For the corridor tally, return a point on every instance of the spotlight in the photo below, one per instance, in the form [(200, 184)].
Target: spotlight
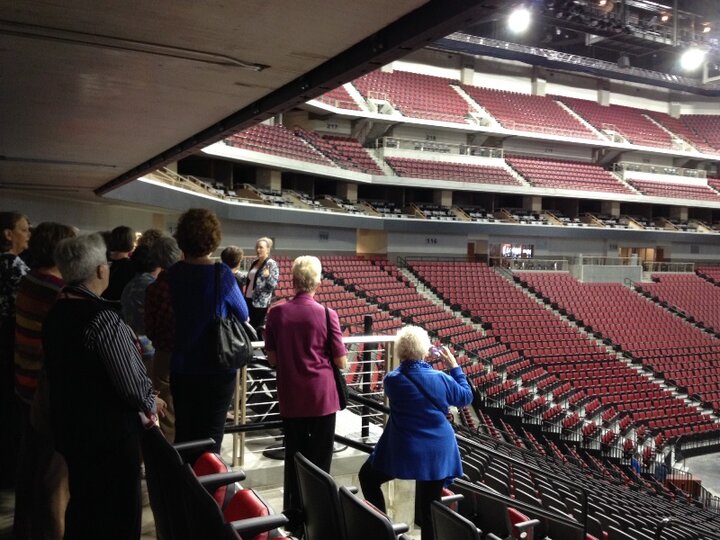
[(519, 20), (706, 28), (665, 17), (692, 59)]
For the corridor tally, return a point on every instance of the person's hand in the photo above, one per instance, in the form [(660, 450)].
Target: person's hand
[(266, 273), (161, 406), (447, 357)]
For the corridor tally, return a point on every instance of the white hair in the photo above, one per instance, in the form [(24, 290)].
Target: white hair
[(412, 343), (306, 272), (78, 258)]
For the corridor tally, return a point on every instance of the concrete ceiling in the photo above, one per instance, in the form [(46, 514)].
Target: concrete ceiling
[(94, 93)]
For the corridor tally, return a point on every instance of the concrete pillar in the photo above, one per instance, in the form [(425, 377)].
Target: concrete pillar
[(268, 179), (679, 212), (532, 203), (674, 109), (443, 198), (539, 83), (467, 74), (348, 191), (611, 208), (603, 93)]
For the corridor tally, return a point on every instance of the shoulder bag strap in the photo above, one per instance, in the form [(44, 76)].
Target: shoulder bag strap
[(424, 393)]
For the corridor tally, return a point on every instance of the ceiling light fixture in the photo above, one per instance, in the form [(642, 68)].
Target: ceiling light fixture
[(519, 20), (692, 59)]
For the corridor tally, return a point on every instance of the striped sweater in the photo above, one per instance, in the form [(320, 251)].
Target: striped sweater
[(36, 295)]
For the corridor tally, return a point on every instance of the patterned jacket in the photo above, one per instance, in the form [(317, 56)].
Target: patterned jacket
[(264, 286)]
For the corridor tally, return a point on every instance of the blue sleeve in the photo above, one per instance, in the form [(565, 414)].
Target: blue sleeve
[(233, 298), (459, 392)]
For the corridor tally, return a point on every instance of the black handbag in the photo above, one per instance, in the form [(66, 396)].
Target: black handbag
[(340, 382), (229, 339)]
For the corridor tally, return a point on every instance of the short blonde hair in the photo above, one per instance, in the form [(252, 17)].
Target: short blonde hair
[(412, 343), (268, 242), (306, 272)]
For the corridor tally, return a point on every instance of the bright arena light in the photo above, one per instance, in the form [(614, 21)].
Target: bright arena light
[(692, 59), (519, 20)]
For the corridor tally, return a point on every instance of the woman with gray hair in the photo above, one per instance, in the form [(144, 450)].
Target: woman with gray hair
[(99, 393), (160, 327), (418, 442), (302, 339)]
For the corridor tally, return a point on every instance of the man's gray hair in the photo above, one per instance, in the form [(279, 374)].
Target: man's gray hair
[(165, 252), (78, 258), (306, 272)]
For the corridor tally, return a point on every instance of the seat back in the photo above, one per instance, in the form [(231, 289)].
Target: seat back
[(204, 519), (211, 463), (449, 525), (515, 518), (163, 469), (246, 503), (361, 520), (319, 500)]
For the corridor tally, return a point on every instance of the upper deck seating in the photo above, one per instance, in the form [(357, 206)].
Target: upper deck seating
[(681, 128), (345, 152), (675, 191), (524, 112), (445, 170), (278, 141), (415, 95), (627, 121), (340, 98), (706, 126), (562, 174)]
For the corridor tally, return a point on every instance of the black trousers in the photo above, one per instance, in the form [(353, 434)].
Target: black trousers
[(426, 490), (257, 316), (313, 437), (201, 406), (105, 497)]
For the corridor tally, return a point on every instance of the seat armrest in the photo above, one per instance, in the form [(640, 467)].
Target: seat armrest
[(213, 481), (399, 528), (523, 526), (194, 445), (491, 536), (251, 527), (447, 500), (353, 489)]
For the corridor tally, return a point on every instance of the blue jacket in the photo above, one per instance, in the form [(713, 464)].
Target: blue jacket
[(418, 442), (192, 292)]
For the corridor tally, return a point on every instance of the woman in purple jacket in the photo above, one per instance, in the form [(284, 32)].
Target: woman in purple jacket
[(296, 340)]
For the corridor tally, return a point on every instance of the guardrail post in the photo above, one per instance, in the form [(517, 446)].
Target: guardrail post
[(366, 378)]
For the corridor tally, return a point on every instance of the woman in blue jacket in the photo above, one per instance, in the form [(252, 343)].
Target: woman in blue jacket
[(418, 442)]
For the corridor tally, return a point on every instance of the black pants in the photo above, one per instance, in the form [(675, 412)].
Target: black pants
[(9, 416), (201, 406), (427, 491), (313, 437), (105, 497), (257, 316)]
